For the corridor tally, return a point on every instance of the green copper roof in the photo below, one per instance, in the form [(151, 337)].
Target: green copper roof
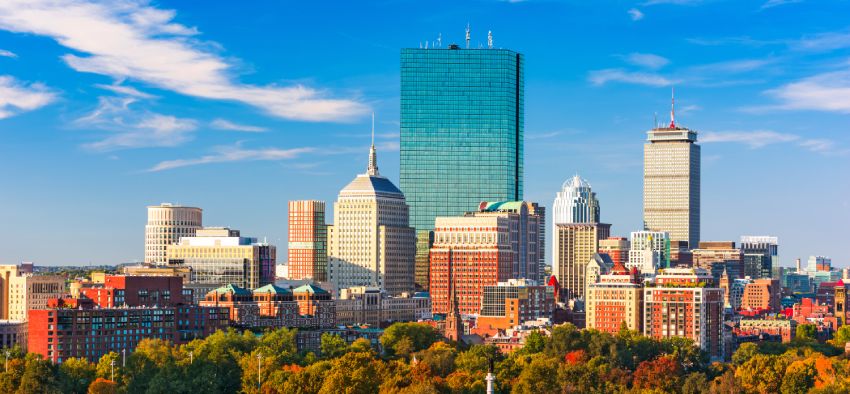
[(231, 288), (494, 206), (310, 288), (270, 288)]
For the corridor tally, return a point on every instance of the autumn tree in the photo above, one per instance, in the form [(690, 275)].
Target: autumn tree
[(761, 374), (419, 335), (540, 376), (661, 373), (332, 346), (353, 373), (76, 375)]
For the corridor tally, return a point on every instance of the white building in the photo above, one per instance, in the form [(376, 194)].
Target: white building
[(371, 242), (575, 203), (28, 291), (167, 223)]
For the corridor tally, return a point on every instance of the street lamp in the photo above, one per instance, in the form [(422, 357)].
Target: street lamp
[(7, 361), (123, 358), (112, 364), (259, 370), (191, 358)]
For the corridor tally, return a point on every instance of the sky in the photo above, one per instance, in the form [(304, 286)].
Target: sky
[(107, 107)]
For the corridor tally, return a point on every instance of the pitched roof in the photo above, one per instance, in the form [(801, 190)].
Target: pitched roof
[(310, 288), (231, 288), (270, 288)]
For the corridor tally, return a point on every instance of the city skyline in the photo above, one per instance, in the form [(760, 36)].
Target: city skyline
[(93, 134)]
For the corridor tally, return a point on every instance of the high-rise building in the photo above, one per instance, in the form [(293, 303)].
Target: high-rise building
[(469, 252), (423, 260), (574, 246), (649, 251), (615, 247), (461, 130), (308, 241), (575, 203), (682, 303), (717, 256), (371, 242), (762, 295), (818, 263), (671, 182), (167, 223), (219, 256), (615, 299), (526, 225), (761, 254)]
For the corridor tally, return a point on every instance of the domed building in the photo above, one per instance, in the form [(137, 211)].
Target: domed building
[(371, 242), (575, 203)]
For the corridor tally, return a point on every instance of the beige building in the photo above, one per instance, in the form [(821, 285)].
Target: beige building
[(371, 242), (615, 299), (719, 255), (671, 183), (574, 246), (167, 223), (13, 332), (370, 305), (32, 292)]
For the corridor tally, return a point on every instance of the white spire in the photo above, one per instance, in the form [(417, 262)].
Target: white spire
[(372, 170)]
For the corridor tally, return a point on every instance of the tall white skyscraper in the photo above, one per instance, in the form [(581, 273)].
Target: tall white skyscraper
[(650, 250), (371, 242), (575, 203), (671, 182), (166, 224)]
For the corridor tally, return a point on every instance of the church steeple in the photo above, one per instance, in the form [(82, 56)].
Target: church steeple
[(372, 170), (454, 322)]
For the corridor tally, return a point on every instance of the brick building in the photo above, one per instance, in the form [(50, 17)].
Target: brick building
[(273, 306), (370, 305), (308, 241), (512, 303), (615, 299), (762, 295)]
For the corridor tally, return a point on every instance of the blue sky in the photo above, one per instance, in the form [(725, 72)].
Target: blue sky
[(108, 107)]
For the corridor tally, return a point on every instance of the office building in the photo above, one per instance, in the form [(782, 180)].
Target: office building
[(219, 255), (615, 247), (682, 303), (272, 306), (762, 295), (13, 333), (134, 291), (462, 120), (512, 303), (469, 252), (575, 203), (761, 254), (308, 241), (526, 223), (371, 242), (650, 240), (818, 263), (167, 223), (671, 182), (574, 246), (719, 256), (615, 299), (29, 291), (372, 306)]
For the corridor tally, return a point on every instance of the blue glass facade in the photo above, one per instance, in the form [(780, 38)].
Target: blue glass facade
[(461, 130)]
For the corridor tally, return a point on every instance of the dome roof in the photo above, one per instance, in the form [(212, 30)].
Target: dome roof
[(365, 184), (576, 182)]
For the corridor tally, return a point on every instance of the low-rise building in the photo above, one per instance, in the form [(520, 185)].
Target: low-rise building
[(371, 305), (786, 329), (273, 306), (616, 299), (762, 296), (513, 303), (13, 332)]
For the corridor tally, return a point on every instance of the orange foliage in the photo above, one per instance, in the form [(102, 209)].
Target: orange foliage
[(575, 356)]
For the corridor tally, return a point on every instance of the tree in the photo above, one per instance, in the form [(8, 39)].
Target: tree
[(806, 331), (280, 342), (841, 337), (39, 377), (744, 353), (353, 373), (799, 377), (104, 367), (261, 361), (535, 342), (361, 345), (477, 359), (420, 335), (404, 347), (332, 346), (540, 376), (726, 383), (440, 359), (75, 375), (564, 338), (103, 386), (661, 373), (695, 383), (762, 374)]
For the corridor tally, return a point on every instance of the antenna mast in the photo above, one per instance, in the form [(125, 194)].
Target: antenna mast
[(672, 108), (490, 39), (467, 36)]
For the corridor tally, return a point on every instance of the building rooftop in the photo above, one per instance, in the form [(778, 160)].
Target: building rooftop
[(270, 288), (310, 288), (231, 288), (372, 185)]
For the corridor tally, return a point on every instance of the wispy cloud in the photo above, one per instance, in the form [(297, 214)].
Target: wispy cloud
[(647, 60), (542, 136), (733, 66), (824, 92), (776, 3), (601, 77), (635, 14), (753, 139), (676, 2), (17, 97), (5, 53), (135, 40), (132, 128), (822, 42), (228, 154), (223, 124), (125, 90)]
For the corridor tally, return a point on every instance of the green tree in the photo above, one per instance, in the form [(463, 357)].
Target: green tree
[(477, 359), (10, 379), (76, 375), (39, 377), (280, 342), (333, 346), (806, 331), (104, 367), (420, 335), (439, 358), (762, 374), (841, 337), (362, 345), (564, 339), (535, 342), (744, 353), (353, 373), (799, 377), (260, 361), (695, 383), (540, 376), (309, 380)]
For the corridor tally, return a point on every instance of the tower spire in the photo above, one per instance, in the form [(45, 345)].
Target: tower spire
[(672, 108), (372, 170)]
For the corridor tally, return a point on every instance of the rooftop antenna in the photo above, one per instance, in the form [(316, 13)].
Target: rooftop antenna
[(655, 121), (426, 44), (420, 44), (672, 108), (373, 129), (440, 40), (467, 35), (490, 39)]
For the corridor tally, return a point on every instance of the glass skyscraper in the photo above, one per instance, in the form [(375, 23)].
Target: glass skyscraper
[(461, 130)]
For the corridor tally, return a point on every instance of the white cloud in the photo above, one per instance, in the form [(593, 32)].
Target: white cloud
[(233, 154), (5, 53), (775, 3), (635, 14), (134, 128), (818, 145), (125, 90), (601, 77), (17, 97), (128, 39), (676, 2), (223, 124), (754, 139), (733, 66), (823, 92), (647, 60), (823, 42)]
